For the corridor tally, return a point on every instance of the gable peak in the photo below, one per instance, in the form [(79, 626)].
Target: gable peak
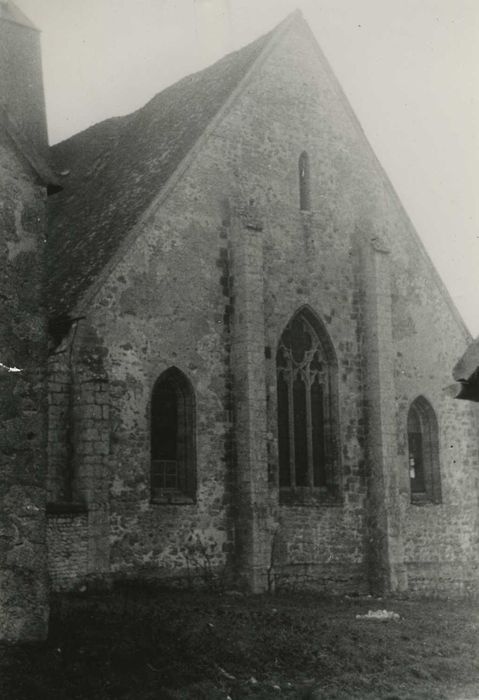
[(9, 12), (294, 17)]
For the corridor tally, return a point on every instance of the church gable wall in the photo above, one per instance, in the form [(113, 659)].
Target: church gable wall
[(171, 303), (309, 262), (168, 304), (427, 339), (312, 258)]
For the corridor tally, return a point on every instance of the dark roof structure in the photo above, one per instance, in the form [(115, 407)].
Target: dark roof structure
[(466, 373), (117, 168)]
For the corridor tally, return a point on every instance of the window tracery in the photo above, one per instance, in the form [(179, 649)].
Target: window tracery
[(306, 408)]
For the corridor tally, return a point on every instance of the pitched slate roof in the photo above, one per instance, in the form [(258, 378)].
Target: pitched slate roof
[(117, 168)]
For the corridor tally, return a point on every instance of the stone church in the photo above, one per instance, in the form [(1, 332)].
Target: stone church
[(224, 349)]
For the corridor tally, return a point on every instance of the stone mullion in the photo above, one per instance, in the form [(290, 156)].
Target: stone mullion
[(292, 449), (426, 456), (328, 436), (309, 427)]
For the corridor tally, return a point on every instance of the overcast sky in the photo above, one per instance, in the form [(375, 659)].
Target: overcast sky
[(410, 69)]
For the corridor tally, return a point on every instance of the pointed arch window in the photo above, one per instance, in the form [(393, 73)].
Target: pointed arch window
[(307, 410), (304, 182), (173, 467), (423, 452)]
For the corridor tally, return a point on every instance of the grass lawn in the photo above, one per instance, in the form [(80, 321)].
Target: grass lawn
[(148, 643)]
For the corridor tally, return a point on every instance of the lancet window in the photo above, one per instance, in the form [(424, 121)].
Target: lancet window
[(423, 452), (173, 469), (304, 182)]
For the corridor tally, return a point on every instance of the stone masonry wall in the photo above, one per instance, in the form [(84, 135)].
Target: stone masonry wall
[(23, 574), (308, 262), (165, 306), (60, 436), (440, 539), (79, 451), (21, 83), (150, 319), (253, 522), (355, 204), (67, 542), (171, 301)]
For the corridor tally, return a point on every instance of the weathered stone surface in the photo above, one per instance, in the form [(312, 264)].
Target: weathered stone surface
[(23, 337), (67, 542), (23, 572), (21, 81), (207, 282), (219, 263)]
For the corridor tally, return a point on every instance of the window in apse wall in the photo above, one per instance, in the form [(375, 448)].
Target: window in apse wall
[(173, 459)]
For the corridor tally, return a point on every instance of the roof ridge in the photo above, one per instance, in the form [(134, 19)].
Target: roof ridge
[(289, 18), (125, 120), (271, 37), (91, 127), (225, 80)]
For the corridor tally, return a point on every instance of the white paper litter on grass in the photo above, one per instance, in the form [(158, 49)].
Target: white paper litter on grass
[(381, 615)]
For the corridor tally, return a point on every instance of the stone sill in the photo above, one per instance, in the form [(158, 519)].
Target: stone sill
[(420, 499), (308, 497), (173, 499), (66, 508)]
